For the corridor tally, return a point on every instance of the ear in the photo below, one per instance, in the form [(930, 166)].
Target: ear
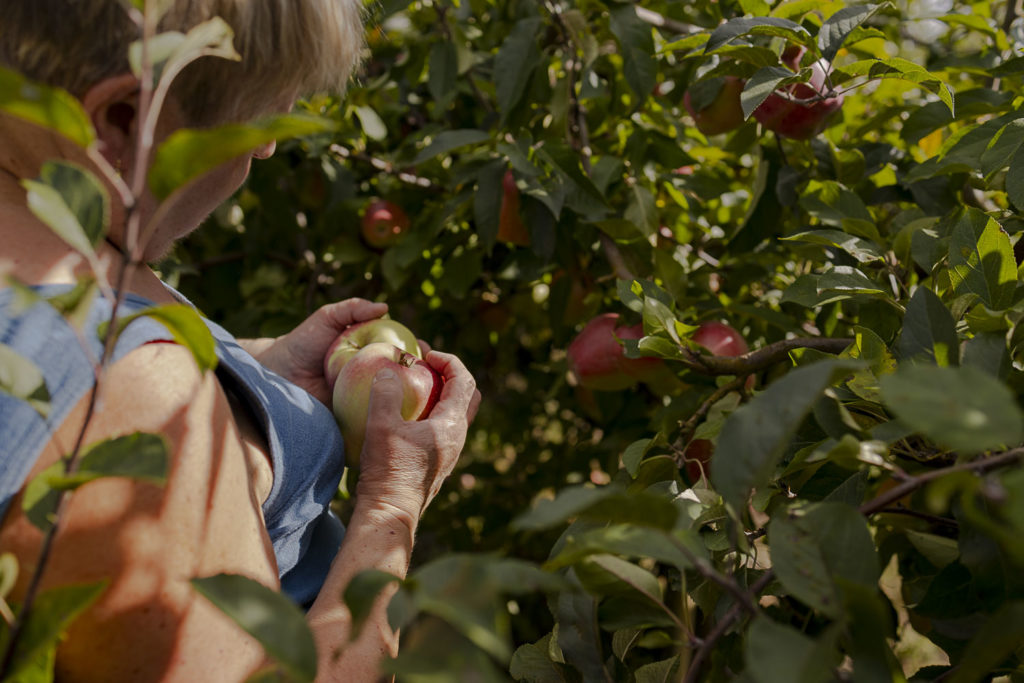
[(113, 106)]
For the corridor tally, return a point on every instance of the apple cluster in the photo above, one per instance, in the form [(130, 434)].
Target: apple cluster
[(798, 111), (598, 362), (354, 359)]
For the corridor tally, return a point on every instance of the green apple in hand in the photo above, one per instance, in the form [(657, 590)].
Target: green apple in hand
[(355, 337)]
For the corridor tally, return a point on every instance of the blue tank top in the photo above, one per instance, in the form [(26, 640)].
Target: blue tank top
[(305, 443)]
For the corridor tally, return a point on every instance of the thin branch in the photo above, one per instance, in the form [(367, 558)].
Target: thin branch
[(979, 466), (442, 15), (690, 426), (722, 627), (762, 358)]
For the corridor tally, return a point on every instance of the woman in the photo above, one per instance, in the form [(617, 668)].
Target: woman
[(254, 458)]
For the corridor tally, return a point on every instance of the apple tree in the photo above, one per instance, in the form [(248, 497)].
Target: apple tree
[(838, 497)]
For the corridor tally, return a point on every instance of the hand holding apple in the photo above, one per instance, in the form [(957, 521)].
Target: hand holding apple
[(421, 388), (404, 462)]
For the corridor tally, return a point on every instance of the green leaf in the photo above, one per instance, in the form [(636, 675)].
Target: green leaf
[(186, 327), (567, 160), (371, 123), (642, 210), (188, 154), (830, 541), (22, 379), (928, 330), (630, 541), (755, 437), (868, 346), (607, 503), (531, 662), (268, 616), (862, 250), (987, 351), (981, 260), (72, 202), (839, 26), (664, 671), (139, 456), (449, 140), (964, 409), (361, 593), (633, 454), (1003, 147), (833, 204), (8, 574), (800, 566), (610, 575), (514, 64), (636, 45), (444, 71), (762, 84), (487, 201), (52, 613), (772, 647), (50, 108), (169, 53), (998, 638), (847, 279), (1015, 180), (764, 26)]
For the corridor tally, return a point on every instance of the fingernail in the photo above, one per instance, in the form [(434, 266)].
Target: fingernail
[(384, 375)]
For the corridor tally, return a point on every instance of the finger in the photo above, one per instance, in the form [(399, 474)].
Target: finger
[(337, 316), (424, 348), (474, 406), (385, 404), (459, 386)]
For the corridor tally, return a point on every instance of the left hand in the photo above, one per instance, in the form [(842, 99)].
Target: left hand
[(299, 355)]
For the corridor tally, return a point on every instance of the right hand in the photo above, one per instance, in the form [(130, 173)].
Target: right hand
[(405, 462)]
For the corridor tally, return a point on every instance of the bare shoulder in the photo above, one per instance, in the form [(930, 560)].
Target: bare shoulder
[(148, 541)]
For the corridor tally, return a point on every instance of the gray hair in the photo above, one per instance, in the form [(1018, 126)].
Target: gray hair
[(287, 47)]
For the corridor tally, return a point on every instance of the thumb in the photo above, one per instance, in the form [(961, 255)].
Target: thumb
[(385, 397)]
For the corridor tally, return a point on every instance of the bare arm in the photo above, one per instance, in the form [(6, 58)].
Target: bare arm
[(403, 467)]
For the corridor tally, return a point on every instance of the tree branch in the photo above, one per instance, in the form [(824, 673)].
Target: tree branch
[(980, 466), (755, 361), (722, 627)]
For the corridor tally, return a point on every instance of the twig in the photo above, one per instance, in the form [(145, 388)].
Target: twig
[(386, 166), (442, 15), (979, 466), (762, 358), (722, 627), (934, 519), (690, 426)]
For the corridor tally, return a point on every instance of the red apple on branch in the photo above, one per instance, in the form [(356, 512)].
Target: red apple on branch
[(421, 389), (597, 360), (724, 112), (720, 339), (510, 222), (383, 223), (357, 336), (799, 111)]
